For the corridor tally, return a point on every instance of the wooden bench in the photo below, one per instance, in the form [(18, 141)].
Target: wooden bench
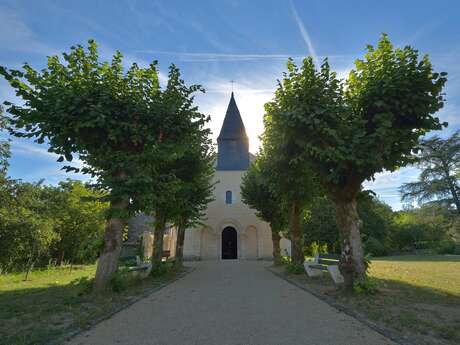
[(324, 263)]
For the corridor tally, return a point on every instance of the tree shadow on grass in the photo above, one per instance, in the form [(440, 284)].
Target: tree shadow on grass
[(420, 258), (45, 315), (39, 315), (422, 312)]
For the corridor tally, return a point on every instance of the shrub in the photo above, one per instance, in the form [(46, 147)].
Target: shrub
[(119, 281), (162, 268), (294, 268), (374, 247), (448, 247), (84, 285), (368, 287)]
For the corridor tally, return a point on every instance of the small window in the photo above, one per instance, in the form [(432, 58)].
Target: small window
[(228, 197)]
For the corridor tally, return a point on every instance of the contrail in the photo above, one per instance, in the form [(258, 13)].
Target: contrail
[(304, 33)]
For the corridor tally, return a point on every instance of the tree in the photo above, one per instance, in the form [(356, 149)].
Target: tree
[(439, 160), (195, 172), (26, 232), (179, 161), (4, 148), (78, 216), (259, 192), (351, 130), (376, 223), (319, 224), (293, 178), (99, 112)]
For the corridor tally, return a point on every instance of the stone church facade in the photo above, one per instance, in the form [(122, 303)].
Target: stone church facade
[(231, 229)]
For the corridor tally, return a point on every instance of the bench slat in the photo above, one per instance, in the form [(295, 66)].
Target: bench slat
[(328, 262), (319, 267), (329, 256)]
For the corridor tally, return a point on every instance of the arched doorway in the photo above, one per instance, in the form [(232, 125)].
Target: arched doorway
[(229, 243)]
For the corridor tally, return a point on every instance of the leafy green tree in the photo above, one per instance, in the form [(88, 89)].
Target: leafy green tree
[(294, 178), (26, 232), (376, 224), (421, 228), (81, 106), (167, 163), (194, 171), (259, 191), (439, 160), (319, 224), (78, 217), (351, 130)]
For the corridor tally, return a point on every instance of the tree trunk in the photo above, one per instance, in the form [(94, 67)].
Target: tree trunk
[(452, 187), (276, 247), (351, 264), (158, 234), (296, 234), (113, 240), (61, 257), (180, 244)]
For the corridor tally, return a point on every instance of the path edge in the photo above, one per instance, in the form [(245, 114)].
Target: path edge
[(107, 316), (348, 311)]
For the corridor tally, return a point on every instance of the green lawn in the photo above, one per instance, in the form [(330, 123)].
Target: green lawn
[(419, 297), (53, 303), (440, 273)]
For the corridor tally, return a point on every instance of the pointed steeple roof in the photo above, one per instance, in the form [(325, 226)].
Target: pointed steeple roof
[(233, 127)]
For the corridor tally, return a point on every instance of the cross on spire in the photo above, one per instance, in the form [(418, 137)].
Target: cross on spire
[(232, 81)]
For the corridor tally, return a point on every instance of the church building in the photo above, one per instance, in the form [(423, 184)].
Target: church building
[(231, 229)]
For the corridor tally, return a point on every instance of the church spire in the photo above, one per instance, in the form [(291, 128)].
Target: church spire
[(233, 142), (233, 127)]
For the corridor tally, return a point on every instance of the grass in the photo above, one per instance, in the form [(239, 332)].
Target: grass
[(440, 273), (418, 297), (54, 302)]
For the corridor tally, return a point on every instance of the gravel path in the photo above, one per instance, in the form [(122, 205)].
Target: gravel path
[(230, 302)]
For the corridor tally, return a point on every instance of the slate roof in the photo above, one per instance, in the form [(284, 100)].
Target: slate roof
[(233, 127), (233, 142)]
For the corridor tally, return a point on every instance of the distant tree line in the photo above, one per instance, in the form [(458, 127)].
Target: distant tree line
[(429, 228)]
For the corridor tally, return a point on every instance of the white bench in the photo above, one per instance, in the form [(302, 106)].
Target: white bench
[(324, 263)]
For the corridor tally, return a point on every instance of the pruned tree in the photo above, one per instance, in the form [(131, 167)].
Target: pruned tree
[(195, 171), (439, 160), (351, 130), (83, 107), (292, 178), (166, 163), (259, 191)]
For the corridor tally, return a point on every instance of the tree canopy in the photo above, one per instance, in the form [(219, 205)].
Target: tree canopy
[(439, 160), (349, 130), (260, 192), (114, 120)]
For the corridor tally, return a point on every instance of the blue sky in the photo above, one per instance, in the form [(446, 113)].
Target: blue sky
[(214, 42)]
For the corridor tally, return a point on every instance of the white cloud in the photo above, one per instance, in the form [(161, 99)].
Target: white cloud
[(213, 56), (304, 33), (15, 35)]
